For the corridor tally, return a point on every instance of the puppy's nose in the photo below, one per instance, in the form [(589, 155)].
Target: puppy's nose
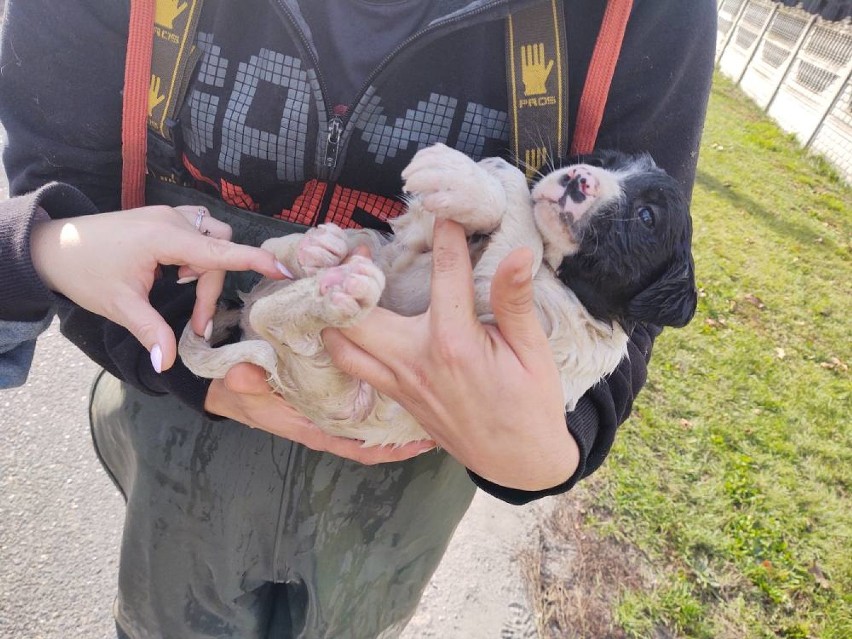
[(579, 184)]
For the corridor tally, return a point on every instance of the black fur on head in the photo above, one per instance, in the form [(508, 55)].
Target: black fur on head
[(635, 259)]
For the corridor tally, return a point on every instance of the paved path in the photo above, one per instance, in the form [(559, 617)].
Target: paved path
[(60, 518)]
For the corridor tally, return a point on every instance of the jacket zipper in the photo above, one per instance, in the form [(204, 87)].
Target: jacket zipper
[(466, 17), (417, 36), (332, 141), (333, 130), (336, 126)]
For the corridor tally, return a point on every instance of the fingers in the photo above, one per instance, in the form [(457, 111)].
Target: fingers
[(187, 274), (214, 251), (207, 293), (212, 254), (204, 251), (512, 301), (200, 220), (247, 379), (251, 380), (452, 301), (147, 326), (353, 360), (383, 344), (354, 449)]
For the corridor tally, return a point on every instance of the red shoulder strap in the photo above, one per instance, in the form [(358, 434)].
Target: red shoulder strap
[(599, 77), (134, 124)]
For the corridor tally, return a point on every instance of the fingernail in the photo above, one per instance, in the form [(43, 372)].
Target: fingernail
[(284, 270), (524, 273), (188, 279), (157, 358), (208, 331)]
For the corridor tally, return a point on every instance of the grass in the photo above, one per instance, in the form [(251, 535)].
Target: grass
[(731, 480)]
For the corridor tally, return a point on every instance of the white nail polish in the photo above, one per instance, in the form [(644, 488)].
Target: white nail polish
[(284, 270), (187, 280), (208, 331), (157, 358)]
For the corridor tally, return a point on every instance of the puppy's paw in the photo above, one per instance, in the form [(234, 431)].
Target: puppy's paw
[(511, 177), (350, 290), (321, 247), (451, 185)]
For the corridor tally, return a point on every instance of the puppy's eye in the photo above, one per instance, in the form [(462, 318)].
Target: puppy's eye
[(646, 216)]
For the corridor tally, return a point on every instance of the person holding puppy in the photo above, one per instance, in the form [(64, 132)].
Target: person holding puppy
[(239, 520)]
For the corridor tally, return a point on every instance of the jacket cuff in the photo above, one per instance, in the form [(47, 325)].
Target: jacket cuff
[(178, 381), (17, 346), (23, 296), (583, 427)]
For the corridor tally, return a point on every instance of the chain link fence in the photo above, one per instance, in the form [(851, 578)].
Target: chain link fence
[(797, 67)]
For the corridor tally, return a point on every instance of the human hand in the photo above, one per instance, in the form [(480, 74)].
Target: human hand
[(490, 395), (244, 395), (107, 263)]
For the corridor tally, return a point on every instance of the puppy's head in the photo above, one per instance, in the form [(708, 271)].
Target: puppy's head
[(618, 233)]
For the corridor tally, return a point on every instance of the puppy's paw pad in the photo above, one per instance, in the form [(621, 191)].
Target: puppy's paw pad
[(349, 289), (342, 305), (322, 247)]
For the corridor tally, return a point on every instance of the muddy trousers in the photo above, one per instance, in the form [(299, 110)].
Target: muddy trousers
[(232, 532)]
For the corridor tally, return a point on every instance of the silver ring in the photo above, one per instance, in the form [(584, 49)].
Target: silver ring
[(199, 218)]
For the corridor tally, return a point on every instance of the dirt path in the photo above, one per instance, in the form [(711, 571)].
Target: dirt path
[(478, 591)]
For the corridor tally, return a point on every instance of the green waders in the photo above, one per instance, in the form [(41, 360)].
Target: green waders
[(232, 532)]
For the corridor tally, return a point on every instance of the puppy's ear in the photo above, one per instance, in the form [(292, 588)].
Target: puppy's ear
[(671, 299)]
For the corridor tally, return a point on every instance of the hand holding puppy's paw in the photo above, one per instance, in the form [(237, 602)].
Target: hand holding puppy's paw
[(451, 185), (350, 290)]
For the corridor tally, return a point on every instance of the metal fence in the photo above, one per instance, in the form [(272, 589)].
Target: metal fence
[(797, 67)]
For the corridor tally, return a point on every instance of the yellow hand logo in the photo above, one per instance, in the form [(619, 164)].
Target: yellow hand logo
[(534, 73), (154, 97), (168, 11)]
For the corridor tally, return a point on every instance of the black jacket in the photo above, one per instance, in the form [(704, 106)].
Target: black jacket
[(256, 130)]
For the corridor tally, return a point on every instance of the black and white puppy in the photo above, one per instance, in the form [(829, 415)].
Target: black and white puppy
[(611, 243), (620, 237)]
